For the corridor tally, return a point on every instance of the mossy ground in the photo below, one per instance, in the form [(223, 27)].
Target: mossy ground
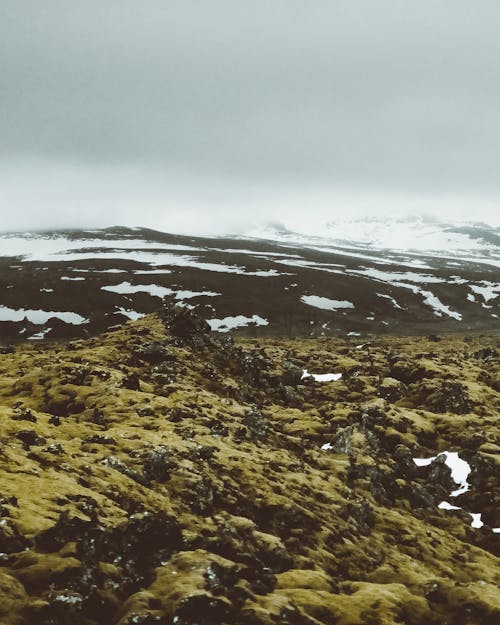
[(149, 479)]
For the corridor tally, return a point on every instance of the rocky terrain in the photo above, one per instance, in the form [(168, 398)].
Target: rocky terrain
[(77, 283), (162, 473)]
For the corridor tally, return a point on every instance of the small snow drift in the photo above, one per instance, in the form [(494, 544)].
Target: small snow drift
[(230, 323), (325, 303), (460, 470), (321, 377)]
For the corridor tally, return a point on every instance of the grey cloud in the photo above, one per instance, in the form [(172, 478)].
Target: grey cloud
[(387, 95)]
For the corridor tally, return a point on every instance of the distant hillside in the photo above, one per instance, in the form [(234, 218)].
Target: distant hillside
[(435, 278)]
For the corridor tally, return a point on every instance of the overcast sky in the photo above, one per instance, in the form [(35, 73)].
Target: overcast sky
[(211, 115)]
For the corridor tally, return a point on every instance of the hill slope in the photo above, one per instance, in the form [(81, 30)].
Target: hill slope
[(161, 473), (275, 283)]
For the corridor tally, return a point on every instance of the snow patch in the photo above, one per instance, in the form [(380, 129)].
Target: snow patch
[(460, 470), (324, 303), (321, 377), (391, 299), (155, 290), (38, 336), (476, 520), (131, 314), (429, 298), (488, 290), (229, 323), (39, 317)]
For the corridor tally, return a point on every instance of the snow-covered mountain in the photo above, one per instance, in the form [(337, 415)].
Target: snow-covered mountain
[(415, 235), (354, 276)]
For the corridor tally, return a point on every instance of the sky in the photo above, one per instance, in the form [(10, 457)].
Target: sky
[(213, 116)]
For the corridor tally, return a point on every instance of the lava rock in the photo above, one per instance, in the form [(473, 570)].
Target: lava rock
[(98, 439), (184, 324), (292, 375), (153, 353), (158, 463), (11, 540), (25, 415), (256, 423), (131, 382), (487, 353), (449, 397), (359, 514), (29, 438)]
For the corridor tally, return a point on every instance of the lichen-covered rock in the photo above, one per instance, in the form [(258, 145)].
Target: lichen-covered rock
[(164, 474), (450, 396)]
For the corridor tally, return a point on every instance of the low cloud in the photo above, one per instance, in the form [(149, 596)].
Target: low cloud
[(223, 112), (40, 195)]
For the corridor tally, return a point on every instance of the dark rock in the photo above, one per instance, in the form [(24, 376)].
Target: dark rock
[(392, 390), (25, 415), (136, 547), (101, 606), (158, 463), (141, 543), (131, 382), (404, 459), (202, 496), (359, 514), (184, 324), (202, 609), (54, 448), (11, 540), (438, 472), (98, 417), (487, 353), (29, 438), (60, 608), (290, 396), (7, 501), (449, 397), (217, 427), (261, 579), (153, 353), (178, 414), (98, 439), (202, 452), (66, 529), (147, 619), (121, 467), (256, 423), (292, 375)]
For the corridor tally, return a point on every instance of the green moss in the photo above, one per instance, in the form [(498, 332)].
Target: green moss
[(197, 485)]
